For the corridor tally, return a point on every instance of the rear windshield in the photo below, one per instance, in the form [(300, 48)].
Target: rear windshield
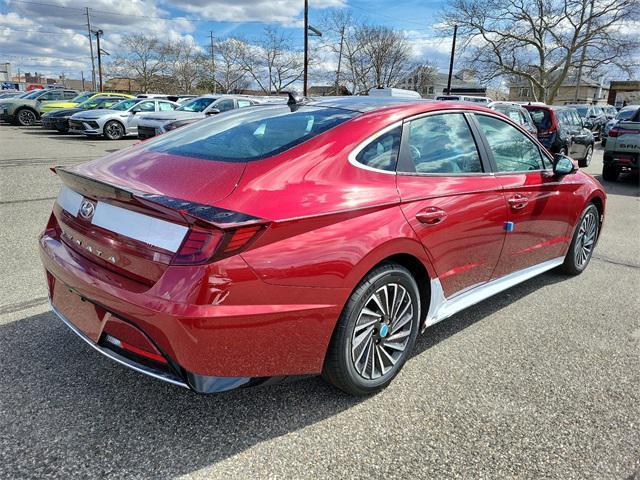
[(250, 133), (196, 105), (541, 118), (625, 114)]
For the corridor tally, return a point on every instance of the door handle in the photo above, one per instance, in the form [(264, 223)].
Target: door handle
[(431, 215), (518, 201)]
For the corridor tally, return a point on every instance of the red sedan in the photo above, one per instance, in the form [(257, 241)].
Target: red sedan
[(314, 237)]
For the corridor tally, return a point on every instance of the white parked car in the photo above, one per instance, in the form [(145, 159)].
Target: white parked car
[(196, 108), (394, 92), (118, 121), (465, 98)]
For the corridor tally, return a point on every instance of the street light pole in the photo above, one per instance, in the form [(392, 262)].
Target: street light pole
[(453, 53), (306, 47)]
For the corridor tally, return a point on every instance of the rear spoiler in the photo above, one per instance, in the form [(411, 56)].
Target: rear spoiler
[(187, 211)]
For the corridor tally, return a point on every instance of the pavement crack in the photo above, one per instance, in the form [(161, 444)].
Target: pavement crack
[(11, 202), (16, 307), (616, 262)]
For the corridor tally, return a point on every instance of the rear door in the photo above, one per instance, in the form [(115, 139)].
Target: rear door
[(451, 199), (145, 106), (538, 202)]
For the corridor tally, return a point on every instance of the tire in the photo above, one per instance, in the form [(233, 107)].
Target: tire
[(366, 325), (583, 241), (587, 157), (113, 130), (610, 173), (26, 117)]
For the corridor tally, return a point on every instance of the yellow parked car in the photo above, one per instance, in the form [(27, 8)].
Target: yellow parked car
[(51, 106)]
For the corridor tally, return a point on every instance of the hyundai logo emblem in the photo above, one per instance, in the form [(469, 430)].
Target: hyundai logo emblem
[(87, 209)]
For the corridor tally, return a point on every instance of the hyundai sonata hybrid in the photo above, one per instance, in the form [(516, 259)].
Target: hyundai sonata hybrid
[(316, 237)]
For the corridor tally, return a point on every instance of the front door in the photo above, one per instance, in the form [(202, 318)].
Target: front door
[(538, 202), (452, 202)]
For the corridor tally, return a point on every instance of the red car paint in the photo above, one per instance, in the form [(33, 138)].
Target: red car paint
[(270, 310)]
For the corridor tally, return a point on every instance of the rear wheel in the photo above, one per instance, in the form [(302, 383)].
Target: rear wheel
[(113, 130), (587, 157), (610, 173), (26, 117), (583, 241), (375, 333)]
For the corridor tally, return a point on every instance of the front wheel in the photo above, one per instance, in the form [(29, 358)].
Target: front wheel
[(375, 332), (587, 157), (113, 130), (583, 241), (26, 117)]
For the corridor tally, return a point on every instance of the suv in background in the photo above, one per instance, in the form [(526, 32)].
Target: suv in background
[(25, 110), (622, 153), (625, 113), (593, 118), (197, 108), (561, 130), (517, 113), (610, 111), (465, 98)]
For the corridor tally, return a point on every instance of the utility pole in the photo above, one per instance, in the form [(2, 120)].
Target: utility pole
[(584, 52), (93, 65), (98, 33), (82, 77), (213, 62), (453, 53), (339, 60), (306, 47)]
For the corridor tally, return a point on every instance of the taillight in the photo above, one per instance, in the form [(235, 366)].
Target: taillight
[(205, 245), (616, 132)]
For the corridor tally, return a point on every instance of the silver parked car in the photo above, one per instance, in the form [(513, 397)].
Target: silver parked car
[(197, 108), (625, 113), (517, 113), (120, 120)]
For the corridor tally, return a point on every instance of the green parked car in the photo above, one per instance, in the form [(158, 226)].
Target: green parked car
[(25, 110)]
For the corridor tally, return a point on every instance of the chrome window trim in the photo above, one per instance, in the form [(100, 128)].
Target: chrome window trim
[(144, 228), (118, 358), (354, 153), (69, 200), (441, 308)]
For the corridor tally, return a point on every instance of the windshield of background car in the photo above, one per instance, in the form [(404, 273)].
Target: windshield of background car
[(582, 111), (625, 114), (126, 104), (541, 118), (250, 134), (34, 94), (82, 97), (103, 102), (196, 105)]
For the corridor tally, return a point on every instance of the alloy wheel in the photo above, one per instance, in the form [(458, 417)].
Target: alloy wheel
[(113, 131), (26, 117), (382, 331), (586, 239)]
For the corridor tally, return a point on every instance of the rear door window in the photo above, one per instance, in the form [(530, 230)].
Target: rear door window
[(512, 150), (166, 106), (443, 144), (224, 105)]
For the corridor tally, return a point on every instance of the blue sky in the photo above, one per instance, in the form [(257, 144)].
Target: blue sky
[(50, 35)]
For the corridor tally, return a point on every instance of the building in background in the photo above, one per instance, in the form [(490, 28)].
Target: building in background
[(429, 83), (5, 72), (590, 91), (624, 92)]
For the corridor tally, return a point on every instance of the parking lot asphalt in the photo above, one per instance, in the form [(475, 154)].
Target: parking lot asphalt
[(541, 381)]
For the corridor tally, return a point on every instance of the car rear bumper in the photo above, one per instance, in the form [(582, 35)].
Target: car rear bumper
[(209, 346), (625, 161)]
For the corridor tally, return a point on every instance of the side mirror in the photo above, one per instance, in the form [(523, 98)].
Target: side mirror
[(563, 165), (213, 111)]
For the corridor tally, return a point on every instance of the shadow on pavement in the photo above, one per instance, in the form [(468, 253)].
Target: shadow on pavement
[(67, 411), (627, 184)]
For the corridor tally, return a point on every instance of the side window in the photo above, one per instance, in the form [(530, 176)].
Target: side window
[(165, 107), (382, 152), (52, 95), (512, 150), (515, 116), (443, 144), (147, 106), (244, 103), (70, 94), (224, 105), (577, 121)]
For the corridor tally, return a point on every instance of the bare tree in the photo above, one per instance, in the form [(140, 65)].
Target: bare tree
[(183, 66), (272, 63), (541, 41), (142, 58), (230, 72)]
